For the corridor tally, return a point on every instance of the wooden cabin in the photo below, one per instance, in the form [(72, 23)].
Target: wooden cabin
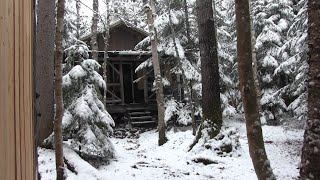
[(129, 93)]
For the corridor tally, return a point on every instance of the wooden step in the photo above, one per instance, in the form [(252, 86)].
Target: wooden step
[(136, 109), (141, 118), (139, 113), (143, 122)]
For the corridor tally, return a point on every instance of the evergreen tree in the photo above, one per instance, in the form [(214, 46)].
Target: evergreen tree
[(292, 72), (272, 19), (226, 36), (86, 124)]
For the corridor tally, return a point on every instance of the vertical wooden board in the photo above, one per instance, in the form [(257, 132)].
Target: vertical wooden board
[(7, 147), (17, 150)]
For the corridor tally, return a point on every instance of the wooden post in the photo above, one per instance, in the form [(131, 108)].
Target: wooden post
[(145, 85), (132, 86), (16, 90), (121, 83)]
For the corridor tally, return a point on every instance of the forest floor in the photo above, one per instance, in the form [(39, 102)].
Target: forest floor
[(140, 158)]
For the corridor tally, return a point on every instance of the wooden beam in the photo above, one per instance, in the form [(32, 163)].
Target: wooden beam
[(132, 84), (16, 90), (121, 82), (145, 85)]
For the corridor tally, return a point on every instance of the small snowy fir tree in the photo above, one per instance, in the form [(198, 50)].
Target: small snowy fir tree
[(86, 124)]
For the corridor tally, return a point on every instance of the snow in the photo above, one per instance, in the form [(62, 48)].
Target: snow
[(142, 158)]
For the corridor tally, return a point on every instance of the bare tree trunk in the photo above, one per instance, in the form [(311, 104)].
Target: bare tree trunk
[(186, 13), (254, 61), (310, 160), (150, 11), (178, 75), (249, 93), (44, 69), (211, 105), (58, 91), (94, 27), (106, 37), (78, 20), (192, 59)]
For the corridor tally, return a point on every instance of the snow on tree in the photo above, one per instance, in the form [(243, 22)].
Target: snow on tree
[(272, 20), (71, 27), (86, 125), (226, 36), (293, 69)]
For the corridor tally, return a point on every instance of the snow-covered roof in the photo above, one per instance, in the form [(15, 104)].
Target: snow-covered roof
[(115, 24)]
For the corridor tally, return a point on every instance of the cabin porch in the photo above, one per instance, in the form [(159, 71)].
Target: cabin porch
[(129, 96)]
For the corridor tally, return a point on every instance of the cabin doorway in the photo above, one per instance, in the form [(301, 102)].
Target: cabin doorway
[(128, 83)]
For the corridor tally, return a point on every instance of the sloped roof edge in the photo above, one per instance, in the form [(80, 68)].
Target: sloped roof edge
[(116, 24)]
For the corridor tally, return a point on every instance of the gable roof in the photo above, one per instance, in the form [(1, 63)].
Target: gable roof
[(116, 24)]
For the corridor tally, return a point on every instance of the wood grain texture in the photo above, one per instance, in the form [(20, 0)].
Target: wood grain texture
[(16, 100)]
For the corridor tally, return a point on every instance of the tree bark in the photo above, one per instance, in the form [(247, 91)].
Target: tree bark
[(106, 37), (191, 58), (310, 160), (78, 20), (211, 105), (150, 11), (249, 93), (58, 91), (44, 69), (94, 29)]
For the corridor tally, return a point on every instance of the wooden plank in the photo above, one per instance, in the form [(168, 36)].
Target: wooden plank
[(114, 68), (16, 90), (143, 122), (113, 84), (121, 82), (132, 84), (145, 86), (113, 95)]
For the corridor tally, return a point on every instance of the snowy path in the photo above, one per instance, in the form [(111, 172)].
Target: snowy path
[(143, 159)]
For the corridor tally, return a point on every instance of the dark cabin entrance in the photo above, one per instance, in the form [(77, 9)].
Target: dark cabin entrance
[(128, 83)]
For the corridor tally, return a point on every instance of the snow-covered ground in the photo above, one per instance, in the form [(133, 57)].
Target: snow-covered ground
[(143, 159)]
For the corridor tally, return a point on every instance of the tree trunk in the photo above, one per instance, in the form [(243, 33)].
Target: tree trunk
[(310, 160), (211, 105), (249, 93), (150, 11), (106, 37), (78, 20), (58, 91), (44, 69), (191, 58), (186, 14), (254, 61), (94, 27)]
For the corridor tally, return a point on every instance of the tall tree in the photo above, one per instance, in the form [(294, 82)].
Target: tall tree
[(150, 11), (106, 36), (94, 29), (211, 104), (310, 161), (248, 91), (44, 69), (58, 91)]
